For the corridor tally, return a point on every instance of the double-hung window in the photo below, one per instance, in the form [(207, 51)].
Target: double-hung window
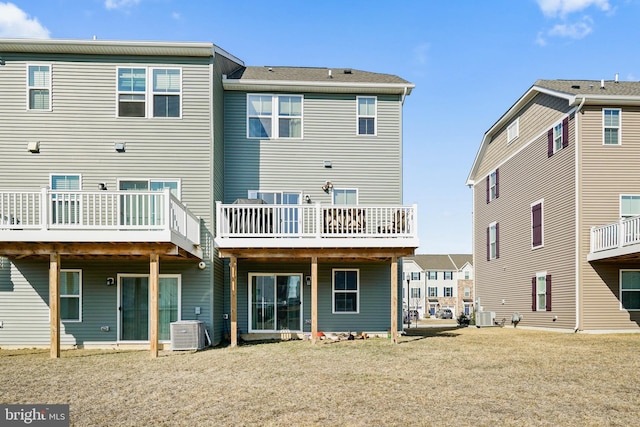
[(346, 295), (415, 292), (274, 116), (493, 185), (167, 87), (557, 137), (134, 92), (141, 207), (541, 292), (630, 290), (629, 205), (39, 87), (433, 292), (448, 291), (432, 275), (367, 112), (537, 236), (611, 126), (415, 275), (448, 275), (345, 196), (71, 295), (493, 239)]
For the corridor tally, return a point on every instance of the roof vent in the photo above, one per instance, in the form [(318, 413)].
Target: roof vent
[(347, 71), (575, 86), (270, 69), (329, 75), (616, 78), (602, 84)]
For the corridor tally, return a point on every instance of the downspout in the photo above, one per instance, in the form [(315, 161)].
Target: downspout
[(577, 184), (404, 95)]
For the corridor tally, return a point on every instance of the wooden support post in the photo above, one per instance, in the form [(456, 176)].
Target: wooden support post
[(154, 285), (394, 300), (314, 299), (54, 303), (233, 267)]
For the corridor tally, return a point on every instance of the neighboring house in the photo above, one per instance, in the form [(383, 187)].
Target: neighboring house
[(114, 155), (438, 281), (556, 190)]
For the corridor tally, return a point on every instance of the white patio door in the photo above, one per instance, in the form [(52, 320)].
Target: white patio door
[(275, 302), (287, 220), (134, 306)]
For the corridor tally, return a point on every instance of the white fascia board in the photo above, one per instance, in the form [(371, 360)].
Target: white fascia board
[(302, 86), (614, 100)]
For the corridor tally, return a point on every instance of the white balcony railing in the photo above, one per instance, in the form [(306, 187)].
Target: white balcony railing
[(315, 221), (625, 232), (97, 211)]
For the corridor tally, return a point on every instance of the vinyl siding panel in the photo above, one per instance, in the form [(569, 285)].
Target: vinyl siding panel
[(373, 164), (527, 177), (537, 116), (606, 173), (77, 137)]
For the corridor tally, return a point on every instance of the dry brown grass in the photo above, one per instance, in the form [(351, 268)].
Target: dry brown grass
[(459, 377)]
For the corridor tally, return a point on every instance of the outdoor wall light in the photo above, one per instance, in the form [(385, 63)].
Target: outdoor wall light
[(328, 186), (308, 280), (307, 198), (120, 147), (328, 164), (110, 281), (102, 186)]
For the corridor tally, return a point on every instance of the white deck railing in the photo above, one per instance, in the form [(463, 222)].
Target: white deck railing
[(97, 210), (315, 221), (625, 232)]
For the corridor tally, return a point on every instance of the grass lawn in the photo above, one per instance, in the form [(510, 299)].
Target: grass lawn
[(455, 377)]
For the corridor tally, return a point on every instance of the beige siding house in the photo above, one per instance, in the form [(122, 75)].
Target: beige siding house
[(556, 198)]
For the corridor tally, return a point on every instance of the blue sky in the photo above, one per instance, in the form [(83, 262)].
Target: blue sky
[(470, 61)]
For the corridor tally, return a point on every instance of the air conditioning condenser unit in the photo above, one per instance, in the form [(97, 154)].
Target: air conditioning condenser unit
[(188, 335)]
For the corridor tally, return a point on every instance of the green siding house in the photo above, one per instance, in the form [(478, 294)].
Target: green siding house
[(146, 183)]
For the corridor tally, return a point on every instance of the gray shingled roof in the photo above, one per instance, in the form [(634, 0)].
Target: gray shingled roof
[(311, 74), (591, 87), (441, 262)]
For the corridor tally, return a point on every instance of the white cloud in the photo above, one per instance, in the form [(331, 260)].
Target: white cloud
[(574, 31), (420, 53), (119, 4), (176, 15), (564, 7), (15, 23)]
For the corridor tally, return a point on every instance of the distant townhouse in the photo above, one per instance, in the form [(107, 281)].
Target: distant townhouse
[(149, 183), (556, 212), (436, 281)]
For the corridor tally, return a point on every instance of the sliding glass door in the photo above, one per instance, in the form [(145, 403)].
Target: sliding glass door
[(275, 302)]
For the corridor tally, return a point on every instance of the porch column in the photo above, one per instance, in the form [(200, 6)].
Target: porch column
[(233, 267), (314, 299), (54, 303), (154, 279), (394, 299)]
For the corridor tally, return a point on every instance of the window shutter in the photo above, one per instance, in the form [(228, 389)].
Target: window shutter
[(533, 293), (488, 188), (565, 132), (488, 243), (550, 143), (497, 240), (536, 224), (497, 182), (548, 292)]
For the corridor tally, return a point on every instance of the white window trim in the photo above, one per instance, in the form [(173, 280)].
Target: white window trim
[(118, 302), (541, 203), (619, 127), (148, 93), (253, 194), (375, 117), (513, 131), (435, 291), (557, 136), (492, 243), (333, 291), (542, 274), (39, 87), (620, 289), (51, 175), (334, 189), (444, 292), (79, 296), (275, 116)]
